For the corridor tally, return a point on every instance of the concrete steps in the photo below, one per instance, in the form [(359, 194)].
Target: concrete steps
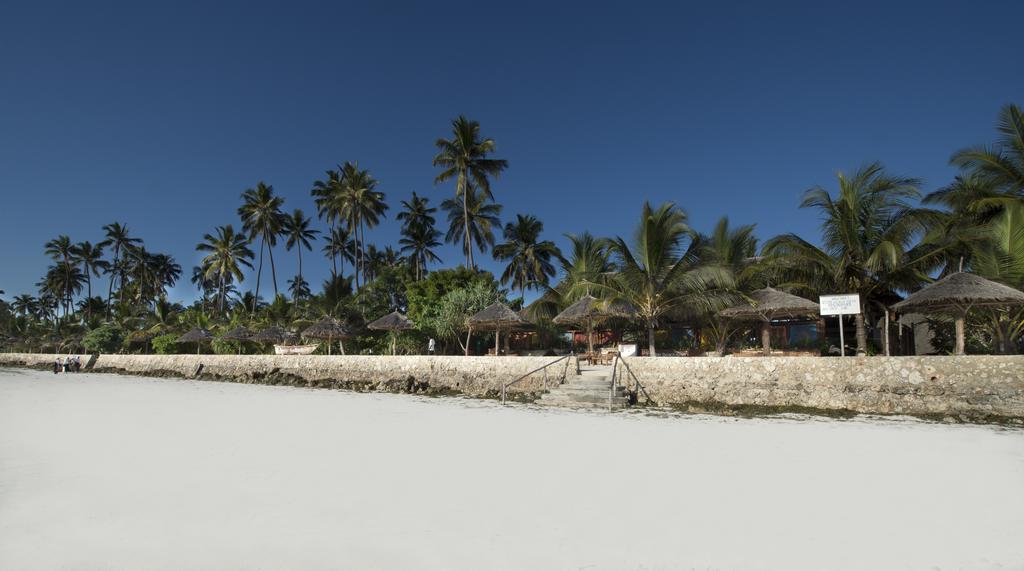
[(588, 390)]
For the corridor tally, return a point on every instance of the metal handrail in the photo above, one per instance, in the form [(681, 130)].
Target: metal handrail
[(639, 386), (505, 386)]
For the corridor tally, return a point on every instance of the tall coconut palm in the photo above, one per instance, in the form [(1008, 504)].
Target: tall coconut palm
[(117, 237), (91, 259), (327, 197), (416, 212), (867, 228), (1002, 164), (227, 253), (474, 213), (418, 242), (299, 235), (62, 251), (203, 283), (530, 259), (363, 206), (658, 273), (25, 305), (262, 218), (465, 157), (340, 245)]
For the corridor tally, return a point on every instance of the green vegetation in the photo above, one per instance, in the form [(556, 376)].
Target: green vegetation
[(879, 238)]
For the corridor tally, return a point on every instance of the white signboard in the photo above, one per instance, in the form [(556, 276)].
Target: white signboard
[(846, 304)]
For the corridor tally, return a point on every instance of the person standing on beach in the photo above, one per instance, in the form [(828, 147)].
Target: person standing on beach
[(56, 365), (430, 346)]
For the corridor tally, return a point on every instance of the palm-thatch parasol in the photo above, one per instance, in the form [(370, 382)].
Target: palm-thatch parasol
[(768, 304), (957, 293), (393, 322), (589, 310), (327, 328), (496, 316), (238, 334), (197, 336)]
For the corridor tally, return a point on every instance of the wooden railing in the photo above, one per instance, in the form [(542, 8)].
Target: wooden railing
[(639, 388), (566, 358)]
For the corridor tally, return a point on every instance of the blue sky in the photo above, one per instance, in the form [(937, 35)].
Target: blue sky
[(159, 115)]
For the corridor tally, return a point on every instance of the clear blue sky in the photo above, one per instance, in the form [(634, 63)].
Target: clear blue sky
[(160, 114)]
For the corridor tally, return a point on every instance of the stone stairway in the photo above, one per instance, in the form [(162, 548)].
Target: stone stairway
[(588, 390)]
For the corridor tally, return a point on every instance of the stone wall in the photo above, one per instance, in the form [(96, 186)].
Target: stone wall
[(473, 376), (971, 388), (984, 388)]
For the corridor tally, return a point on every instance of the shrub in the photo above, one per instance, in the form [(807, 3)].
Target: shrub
[(166, 344), (103, 339)]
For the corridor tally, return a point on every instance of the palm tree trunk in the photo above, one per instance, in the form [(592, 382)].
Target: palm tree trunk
[(650, 338), (469, 332), (88, 285), (862, 334), (334, 254), (273, 272), (259, 272), (110, 286), (465, 221)]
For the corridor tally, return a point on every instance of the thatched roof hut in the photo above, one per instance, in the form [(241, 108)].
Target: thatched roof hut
[(393, 322), (768, 304), (237, 334), (327, 328), (589, 310), (273, 334), (197, 336), (496, 317), (957, 293)]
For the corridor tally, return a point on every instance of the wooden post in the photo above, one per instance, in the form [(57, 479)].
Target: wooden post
[(886, 337), (960, 349), (766, 338), (497, 337)]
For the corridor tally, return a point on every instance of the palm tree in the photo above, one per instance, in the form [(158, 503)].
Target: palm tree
[(327, 197), (91, 258), (261, 217), (464, 157), (203, 283), (63, 252), (530, 260), (340, 245), (228, 252), (732, 250), (658, 273), (473, 214), (25, 305), (416, 212), (1000, 165), (867, 228), (299, 288), (298, 235), (418, 242), (118, 238), (362, 207)]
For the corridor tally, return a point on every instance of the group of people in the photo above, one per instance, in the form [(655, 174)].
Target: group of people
[(68, 365)]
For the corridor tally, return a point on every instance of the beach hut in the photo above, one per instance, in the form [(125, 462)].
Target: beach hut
[(240, 334), (393, 322), (956, 294), (590, 310), (197, 336), (496, 317), (768, 304), (330, 329)]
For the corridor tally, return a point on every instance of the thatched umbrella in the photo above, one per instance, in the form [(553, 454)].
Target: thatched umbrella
[(957, 293), (272, 335), (768, 304), (239, 334), (327, 328), (589, 310), (393, 322), (197, 336), (496, 316)]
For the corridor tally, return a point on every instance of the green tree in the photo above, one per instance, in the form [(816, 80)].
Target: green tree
[(530, 259), (117, 237), (299, 235), (1000, 165), (62, 251), (362, 206), (867, 229), (465, 157), (227, 253), (91, 259), (474, 214), (262, 218)]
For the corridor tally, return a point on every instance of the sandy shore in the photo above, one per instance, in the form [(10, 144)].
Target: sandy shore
[(101, 472)]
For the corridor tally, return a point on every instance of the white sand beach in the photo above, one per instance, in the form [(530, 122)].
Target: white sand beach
[(111, 472)]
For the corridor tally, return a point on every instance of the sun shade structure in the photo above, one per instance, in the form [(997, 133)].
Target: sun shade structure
[(957, 293), (393, 322), (197, 336), (768, 304), (330, 329), (273, 334), (238, 334), (589, 310), (496, 317)]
